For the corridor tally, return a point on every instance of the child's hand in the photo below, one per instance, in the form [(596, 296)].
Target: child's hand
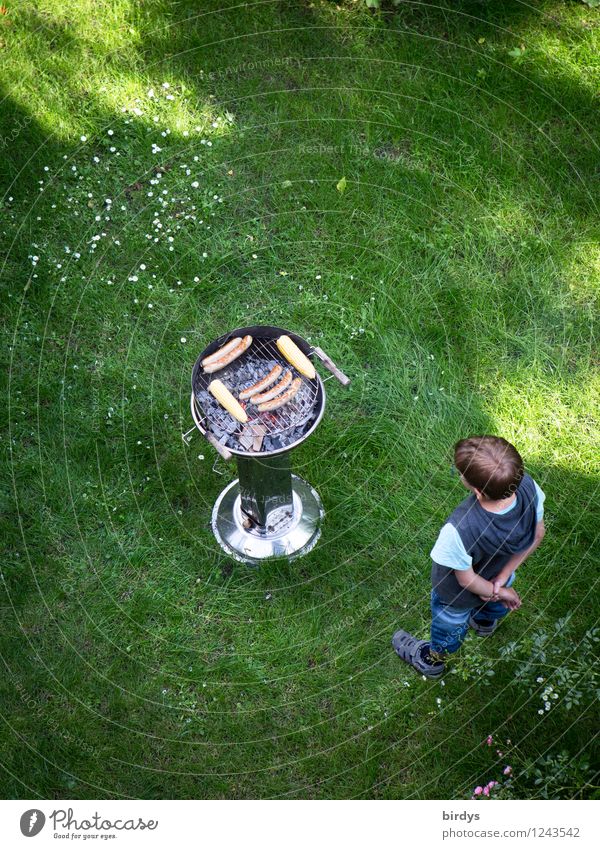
[(491, 597), (510, 598), (495, 594)]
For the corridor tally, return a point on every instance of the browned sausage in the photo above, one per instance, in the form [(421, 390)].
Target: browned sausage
[(262, 384), (275, 390), (280, 400), (230, 356)]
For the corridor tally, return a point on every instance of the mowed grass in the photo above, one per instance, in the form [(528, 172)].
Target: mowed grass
[(455, 279)]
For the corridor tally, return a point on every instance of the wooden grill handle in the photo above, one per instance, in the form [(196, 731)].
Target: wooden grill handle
[(329, 364), (219, 448)]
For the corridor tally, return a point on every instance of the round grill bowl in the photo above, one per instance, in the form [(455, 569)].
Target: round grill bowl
[(266, 333)]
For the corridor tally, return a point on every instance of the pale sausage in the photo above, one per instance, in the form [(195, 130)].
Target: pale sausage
[(216, 355), (230, 356)]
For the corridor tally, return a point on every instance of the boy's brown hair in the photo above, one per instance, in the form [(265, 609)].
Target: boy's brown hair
[(490, 464)]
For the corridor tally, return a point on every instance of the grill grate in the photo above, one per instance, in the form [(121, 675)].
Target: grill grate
[(253, 365)]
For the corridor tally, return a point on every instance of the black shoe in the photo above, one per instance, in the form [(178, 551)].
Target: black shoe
[(481, 629), (416, 652)]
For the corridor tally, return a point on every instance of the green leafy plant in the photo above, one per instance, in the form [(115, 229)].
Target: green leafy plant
[(570, 677), (553, 775), (559, 775)]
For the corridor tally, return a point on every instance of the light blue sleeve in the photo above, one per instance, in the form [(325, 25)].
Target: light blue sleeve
[(541, 497), (449, 550)]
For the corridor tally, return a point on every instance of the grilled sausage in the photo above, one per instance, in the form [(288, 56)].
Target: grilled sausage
[(262, 384), (230, 356), (280, 400), (275, 390), (216, 355)]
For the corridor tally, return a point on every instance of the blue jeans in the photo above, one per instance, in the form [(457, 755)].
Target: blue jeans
[(449, 625)]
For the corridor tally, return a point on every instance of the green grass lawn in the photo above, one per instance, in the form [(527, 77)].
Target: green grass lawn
[(169, 174)]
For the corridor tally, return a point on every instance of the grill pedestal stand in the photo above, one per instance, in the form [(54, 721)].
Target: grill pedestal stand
[(267, 512)]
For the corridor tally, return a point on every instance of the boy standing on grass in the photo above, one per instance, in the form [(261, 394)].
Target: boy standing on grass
[(484, 540)]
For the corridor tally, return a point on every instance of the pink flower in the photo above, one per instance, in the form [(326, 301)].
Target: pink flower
[(490, 740), (486, 790), (478, 791), (507, 770)]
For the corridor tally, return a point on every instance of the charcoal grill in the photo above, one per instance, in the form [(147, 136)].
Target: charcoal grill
[(267, 511)]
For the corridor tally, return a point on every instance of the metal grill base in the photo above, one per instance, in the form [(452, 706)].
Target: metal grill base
[(293, 537)]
